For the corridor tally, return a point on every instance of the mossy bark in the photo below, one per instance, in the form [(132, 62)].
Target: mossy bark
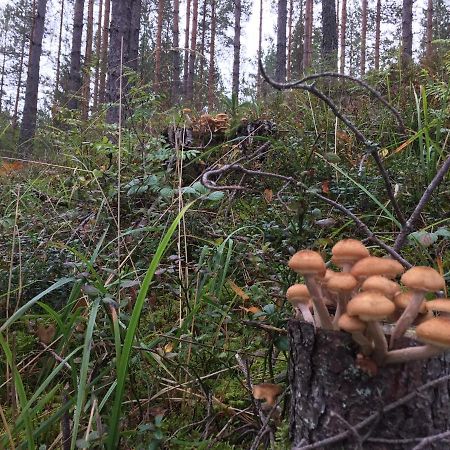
[(331, 395)]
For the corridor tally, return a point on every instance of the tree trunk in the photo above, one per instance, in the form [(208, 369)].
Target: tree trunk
[(28, 128), (58, 57), (301, 33), (192, 54), (289, 47), (307, 44), (212, 51), (343, 35), (19, 83), (329, 35), (363, 36), (176, 59), (74, 84), (104, 54), (202, 44), (2, 81), (280, 66), (159, 27), (258, 80), (98, 44), (407, 18), (135, 28), (87, 61), (377, 36), (429, 32), (237, 48), (331, 395), (187, 33)]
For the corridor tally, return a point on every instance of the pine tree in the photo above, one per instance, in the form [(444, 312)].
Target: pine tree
[(329, 35), (176, 59), (307, 43), (186, 48), (88, 61), (237, 48), (104, 53), (193, 52), (280, 67), (212, 52), (377, 36), (343, 36), (363, 36), (407, 19)]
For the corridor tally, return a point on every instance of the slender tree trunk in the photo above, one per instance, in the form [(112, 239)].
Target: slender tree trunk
[(237, 48), (377, 35), (88, 61), (187, 33), (258, 80), (301, 52), (19, 83), (193, 52), (104, 53), (159, 28), (176, 59), (135, 29), (98, 51), (28, 128), (329, 35), (343, 35), (2, 80), (280, 65), (407, 18), (202, 44), (58, 57), (212, 51), (307, 44), (75, 55), (363, 36), (429, 32), (289, 47)]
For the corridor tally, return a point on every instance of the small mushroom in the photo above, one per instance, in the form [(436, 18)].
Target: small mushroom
[(356, 328), (46, 334), (311, 265), (419, 280), (347, 252), (268, 392), (439, 305), (341, 284), (298, 296), (381, 284), (373, 265)]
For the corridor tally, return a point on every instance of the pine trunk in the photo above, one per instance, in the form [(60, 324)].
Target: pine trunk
[(343, 35), (193, 52), (58, 57), (2, 80), (301, 50), (104, 53), (407, 17), (212, 51), (187, 33), (202, 44), (429, 32), (74, 84), (135, 28), (280, 66), (259, 81), (377, 36), (98, 44), (19, 83), (330, 395), (329, 35), (237, 48), (157, 77), (29, 114), (307, 44), (87, 61), (176, 59), (363, 36), (289, 47)]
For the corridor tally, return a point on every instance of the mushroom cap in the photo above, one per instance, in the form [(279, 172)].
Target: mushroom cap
[(267, 391), (348, 251), (308, 262), (381, 284), (328, 274), (351, 324), (435, 331), (369, 306), (423, 278), (373, 265), (298, 293), (402, 300), (438, 305), (341, 282)]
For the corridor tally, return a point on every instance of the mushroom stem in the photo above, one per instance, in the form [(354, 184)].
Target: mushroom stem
[(340, 309), (318, 302), (375, 331), (408, 316), (412, 354), (306, 313), (363, 342)]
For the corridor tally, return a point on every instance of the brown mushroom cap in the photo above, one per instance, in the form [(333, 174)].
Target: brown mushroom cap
[(348, 251), (308, 262), (351, 324), (341, 282), (435, 331), (423, 278), (402, 300), (373, 265), (438, 305), (370, 306), (268, 392), (381, 284), (298, 293)]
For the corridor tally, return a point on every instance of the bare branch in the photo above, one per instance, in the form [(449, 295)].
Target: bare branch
[(425, 443)]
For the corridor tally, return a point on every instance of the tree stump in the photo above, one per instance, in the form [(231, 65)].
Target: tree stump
[(331, 396)]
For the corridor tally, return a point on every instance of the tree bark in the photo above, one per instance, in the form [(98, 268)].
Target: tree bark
[(28, 128), (2, 81), (212, 51), (259, 78), (363, 36), (75, 79), (203, 43), (133, 42), (289, 46), (377, 36), (307, 43), (329, 35), (193, 52), (104, 53), (237, 48), (87, 61), (187, 33), (280, 67), (98, 44), (407, 35), (58, 56), (330, 394), (429, 32), (19, 83), (159, 27), (343, 35), (176, 59)]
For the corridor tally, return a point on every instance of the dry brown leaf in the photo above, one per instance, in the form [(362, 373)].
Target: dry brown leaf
[(268, 195), (238, 291)]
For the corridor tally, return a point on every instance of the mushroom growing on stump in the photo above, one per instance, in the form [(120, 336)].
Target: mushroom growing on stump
[(371, 307), (341, 284), (298, 296), (356, 328), (381, 284), (268, 392), (347, 252), (419, 280), (311, 265), (372, 265)]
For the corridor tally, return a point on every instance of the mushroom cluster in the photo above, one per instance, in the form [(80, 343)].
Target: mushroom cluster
[(364, 296)]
